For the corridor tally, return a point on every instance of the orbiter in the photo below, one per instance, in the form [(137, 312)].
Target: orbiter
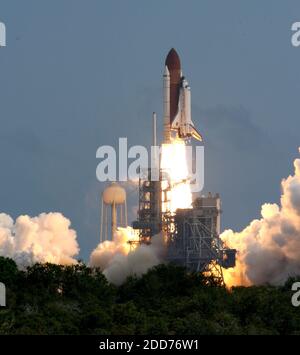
[(177, 101)]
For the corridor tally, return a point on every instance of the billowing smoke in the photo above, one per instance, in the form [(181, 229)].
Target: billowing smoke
[(118, 259), (269, 248), (45, 238)]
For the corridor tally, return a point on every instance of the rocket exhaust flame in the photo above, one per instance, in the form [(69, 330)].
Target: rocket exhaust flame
[(174, 164)]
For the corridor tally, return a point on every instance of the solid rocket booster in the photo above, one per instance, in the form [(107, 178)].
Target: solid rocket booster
[(177, 101), (167, 132)]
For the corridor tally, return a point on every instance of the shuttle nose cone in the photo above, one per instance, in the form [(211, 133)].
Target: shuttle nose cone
[(173, 60)]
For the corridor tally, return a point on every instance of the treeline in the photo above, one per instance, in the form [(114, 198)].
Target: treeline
[(55, 299)]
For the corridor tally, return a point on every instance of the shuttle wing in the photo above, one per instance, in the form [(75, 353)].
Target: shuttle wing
[(195, 134)]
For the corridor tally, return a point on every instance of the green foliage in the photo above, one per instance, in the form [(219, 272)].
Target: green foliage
[(8, 271), (56, 299)]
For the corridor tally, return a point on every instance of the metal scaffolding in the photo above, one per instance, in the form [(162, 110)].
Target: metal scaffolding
[(192, 234), (194, 242), (149, 221)]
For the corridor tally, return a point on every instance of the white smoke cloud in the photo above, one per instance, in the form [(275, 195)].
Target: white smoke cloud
[(118, 261), (269, 248), (45, 238)]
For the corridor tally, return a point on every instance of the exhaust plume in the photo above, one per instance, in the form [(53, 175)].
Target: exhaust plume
[(118, 260), (45, 238), (269, 248)]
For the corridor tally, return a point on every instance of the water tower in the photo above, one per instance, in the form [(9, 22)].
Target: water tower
[(113, 207)]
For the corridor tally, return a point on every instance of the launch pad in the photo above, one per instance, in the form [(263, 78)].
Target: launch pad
[(191, 234)]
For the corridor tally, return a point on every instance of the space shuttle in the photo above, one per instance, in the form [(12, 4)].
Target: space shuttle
[(177, 101)]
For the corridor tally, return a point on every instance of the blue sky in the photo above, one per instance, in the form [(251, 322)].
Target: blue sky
[(79, 74)]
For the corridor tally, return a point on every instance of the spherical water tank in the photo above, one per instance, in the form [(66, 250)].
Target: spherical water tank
[(114, 194)]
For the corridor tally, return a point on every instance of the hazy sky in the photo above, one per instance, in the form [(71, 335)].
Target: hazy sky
[(79, 74)]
